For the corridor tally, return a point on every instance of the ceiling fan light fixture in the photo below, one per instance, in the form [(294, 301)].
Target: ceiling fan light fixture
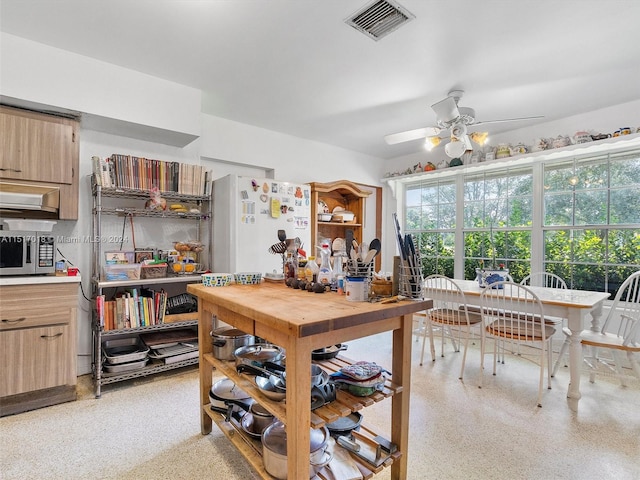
[(480, 137), (431, 142), (455, 148)]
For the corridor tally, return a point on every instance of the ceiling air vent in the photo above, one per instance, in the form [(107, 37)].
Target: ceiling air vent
[(379, 18)]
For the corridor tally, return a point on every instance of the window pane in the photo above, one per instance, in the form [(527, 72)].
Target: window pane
[(624, 206), (625, 171), (558, 209), (520, 212), (624, 247), (473, 215), (557, 246), (556, 177), (447, 218), (591, 208), (589, 246)]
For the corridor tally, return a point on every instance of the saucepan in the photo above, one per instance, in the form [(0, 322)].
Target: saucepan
[(274, 451), (226, 397)]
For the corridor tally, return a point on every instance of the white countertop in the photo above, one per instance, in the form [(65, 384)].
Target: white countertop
[(37, 279)]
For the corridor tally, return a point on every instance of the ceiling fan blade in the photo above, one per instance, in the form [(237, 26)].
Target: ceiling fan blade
[(508, 120), (412, 135), (446, 110)]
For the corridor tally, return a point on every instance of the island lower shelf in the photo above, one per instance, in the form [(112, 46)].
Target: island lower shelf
[(344, 405)]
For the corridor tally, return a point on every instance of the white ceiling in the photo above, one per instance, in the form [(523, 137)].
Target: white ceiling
[(294, 66)]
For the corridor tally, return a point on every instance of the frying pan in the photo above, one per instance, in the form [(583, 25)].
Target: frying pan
[(326, 353)]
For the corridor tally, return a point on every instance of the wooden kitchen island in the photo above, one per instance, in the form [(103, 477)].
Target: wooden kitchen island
[(301, 322)]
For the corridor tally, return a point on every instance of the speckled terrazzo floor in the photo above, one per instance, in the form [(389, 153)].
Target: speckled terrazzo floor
[(149, 429)]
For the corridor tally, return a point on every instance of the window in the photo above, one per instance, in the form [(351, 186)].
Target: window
[(576, 217), (498, 216), (431, 218), (591, 220)]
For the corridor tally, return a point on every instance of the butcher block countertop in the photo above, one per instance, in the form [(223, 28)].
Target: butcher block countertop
[(299, 313)]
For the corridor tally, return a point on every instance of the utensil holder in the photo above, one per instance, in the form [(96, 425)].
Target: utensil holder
[(411, 283), (357, 269)]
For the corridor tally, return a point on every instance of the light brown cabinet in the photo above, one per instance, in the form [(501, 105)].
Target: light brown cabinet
[(37, 345), (41, 149), (350, 197)]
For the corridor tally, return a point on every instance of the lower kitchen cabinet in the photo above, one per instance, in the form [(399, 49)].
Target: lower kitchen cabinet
[(38, 343)]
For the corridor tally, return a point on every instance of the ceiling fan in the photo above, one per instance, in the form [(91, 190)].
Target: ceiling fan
[(455, 119)]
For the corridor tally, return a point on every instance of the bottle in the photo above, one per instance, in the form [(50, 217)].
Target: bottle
[(290, 266), (312, 269), (325, 275)]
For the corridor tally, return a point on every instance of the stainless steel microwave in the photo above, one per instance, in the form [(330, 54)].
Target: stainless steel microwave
[(26, 253)]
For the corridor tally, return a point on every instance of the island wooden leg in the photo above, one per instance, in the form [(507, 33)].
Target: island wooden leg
[(204, 345), (401, 368), (298, 407)]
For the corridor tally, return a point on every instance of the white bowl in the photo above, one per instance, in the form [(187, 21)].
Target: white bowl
[(324, 217), (343, 216), (217, 279)]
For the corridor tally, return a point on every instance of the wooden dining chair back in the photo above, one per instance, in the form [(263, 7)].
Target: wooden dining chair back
[(511, 316), (449, 317), (550, 280), (604, 350)]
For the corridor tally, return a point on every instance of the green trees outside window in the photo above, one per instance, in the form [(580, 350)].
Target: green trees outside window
[(585, 221)]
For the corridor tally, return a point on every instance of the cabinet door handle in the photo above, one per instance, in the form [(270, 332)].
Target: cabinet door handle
[(7, 320), (59, 334), (16, 170)]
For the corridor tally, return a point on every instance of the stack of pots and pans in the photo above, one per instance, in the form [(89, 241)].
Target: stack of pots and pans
[(226, 340)]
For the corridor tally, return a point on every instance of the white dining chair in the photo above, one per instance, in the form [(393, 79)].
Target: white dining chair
[(550, 280), (449, 316), (513, 313), (604, 350)]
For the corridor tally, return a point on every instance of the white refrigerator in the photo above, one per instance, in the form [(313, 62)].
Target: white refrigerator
[(247, 214)]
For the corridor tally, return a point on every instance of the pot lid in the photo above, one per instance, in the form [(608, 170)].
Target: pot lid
[(227, 390), (274, 438), (259, 352), (226, 332)]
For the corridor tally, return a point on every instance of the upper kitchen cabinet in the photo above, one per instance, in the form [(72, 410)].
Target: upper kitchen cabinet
[(336, 207), (43, 150)]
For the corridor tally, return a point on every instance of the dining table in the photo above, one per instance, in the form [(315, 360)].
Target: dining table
[(576, 306)]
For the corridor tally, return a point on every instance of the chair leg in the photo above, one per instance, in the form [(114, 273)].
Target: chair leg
[(541, 380), (464, 355), (549, 361), (635, 367), (617, 358), (426, 332), (563, 351)]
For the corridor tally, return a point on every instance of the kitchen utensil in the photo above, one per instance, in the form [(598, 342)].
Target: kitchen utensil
[(278, 248), (227, 340), (345, 425), (227, 397), (257, 354), (255, 420), (269, 389), (348, 241), (274, 451), (326, 353), (364, 448), (369, 257), (375, 245)]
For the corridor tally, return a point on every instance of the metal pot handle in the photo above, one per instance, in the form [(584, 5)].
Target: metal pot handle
[(324, 463), (219, 343)]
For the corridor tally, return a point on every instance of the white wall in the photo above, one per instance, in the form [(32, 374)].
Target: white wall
[(50, 76)]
